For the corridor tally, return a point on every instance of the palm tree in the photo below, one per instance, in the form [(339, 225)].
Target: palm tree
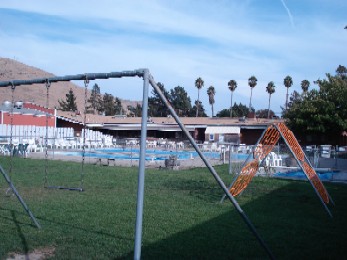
[(199, 83), (288, 82), (270, 89), (211, 92), (232, 84), (252, 82), (305, 84)]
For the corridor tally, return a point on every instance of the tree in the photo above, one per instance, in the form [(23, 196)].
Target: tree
[(95, 100), (288, 82), (118, 106), (264, 113), (252, 82), (199, 83), (197, 109), (70, 103), (109, 105), (180, 101), (223, 113), (305, 84), (211, 92), (155, 105), (232, 84), (295, 97), (320, 113), (270, 88), (135, 111), (341, 71), (239, 110)]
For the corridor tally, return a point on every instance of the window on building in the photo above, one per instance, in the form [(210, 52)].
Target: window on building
[(221, 138), (211, 137)]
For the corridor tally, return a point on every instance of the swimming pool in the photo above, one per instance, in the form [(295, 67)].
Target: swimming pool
[(239, 156), (299, 175), (134, 154)]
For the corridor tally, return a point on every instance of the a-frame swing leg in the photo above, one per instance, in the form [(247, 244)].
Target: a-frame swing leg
[(249, 157), (13, 188)]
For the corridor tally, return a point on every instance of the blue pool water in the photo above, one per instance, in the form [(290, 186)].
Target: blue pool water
[(134, 154), (239, 156), (299, 175)]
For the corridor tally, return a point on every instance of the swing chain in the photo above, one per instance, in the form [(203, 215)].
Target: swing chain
[(11, 148), (13, 87), (86, 83), (48, 84)]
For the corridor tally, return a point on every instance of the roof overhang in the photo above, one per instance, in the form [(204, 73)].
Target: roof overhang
[(150, 127), (67, 119), (254, 127), (95, 125), (223, 130)]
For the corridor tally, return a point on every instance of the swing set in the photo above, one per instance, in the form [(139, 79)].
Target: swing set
[(148, 79), (46, 181)]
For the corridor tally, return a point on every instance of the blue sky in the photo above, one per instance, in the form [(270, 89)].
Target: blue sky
[(181, 40)]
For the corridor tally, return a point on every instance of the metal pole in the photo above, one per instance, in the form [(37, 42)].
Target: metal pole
[(224, 155), (141, 177), (302, 168), (90, 76), (212, 170), (230, 160), (19, 198), (131, 154)]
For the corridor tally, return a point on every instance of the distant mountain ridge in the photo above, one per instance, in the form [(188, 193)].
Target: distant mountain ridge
[(13, 70)]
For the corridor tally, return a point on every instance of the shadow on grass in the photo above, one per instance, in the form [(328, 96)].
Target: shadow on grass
[(16, 232), (291, 220), (13, 219), (50, 222), (20, 233), (99, 224), (201, 189)]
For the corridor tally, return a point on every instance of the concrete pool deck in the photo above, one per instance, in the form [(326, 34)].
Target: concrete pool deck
[(339, 176), (183, 164)]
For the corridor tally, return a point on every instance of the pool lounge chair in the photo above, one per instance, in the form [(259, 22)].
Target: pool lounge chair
[(20, 150)]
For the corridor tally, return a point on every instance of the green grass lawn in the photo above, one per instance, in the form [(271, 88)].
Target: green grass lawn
[(183, 218)]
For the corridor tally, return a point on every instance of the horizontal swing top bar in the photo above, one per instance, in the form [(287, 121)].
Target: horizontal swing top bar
[(89, 76)]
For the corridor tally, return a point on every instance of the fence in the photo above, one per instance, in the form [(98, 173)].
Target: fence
[(281, 156), (34, 132), (23, 133)]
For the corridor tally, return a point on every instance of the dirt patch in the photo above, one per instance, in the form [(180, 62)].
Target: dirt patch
[(37, 254)]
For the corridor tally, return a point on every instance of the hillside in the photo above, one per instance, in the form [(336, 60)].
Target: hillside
[(14, 70)]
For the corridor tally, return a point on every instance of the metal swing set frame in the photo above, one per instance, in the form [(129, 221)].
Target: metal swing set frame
[(148, 80)]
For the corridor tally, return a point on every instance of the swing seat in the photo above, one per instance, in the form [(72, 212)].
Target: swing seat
[(65, 188)]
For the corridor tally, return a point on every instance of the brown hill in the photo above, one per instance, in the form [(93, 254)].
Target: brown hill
[(14, 70)]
